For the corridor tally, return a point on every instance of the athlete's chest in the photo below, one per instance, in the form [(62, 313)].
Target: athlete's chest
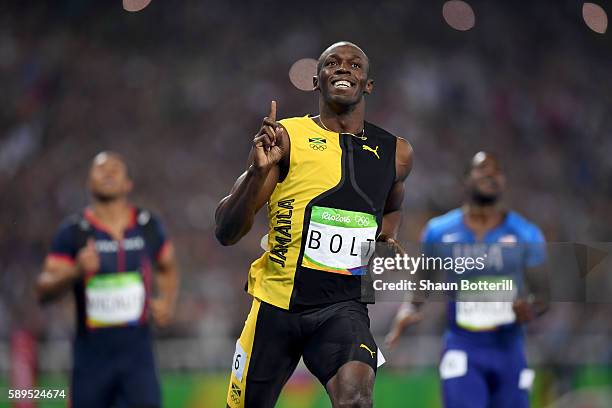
[(500, 249), (120, 255), (344, 164)]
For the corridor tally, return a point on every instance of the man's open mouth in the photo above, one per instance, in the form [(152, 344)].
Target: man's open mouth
[(342, 84)]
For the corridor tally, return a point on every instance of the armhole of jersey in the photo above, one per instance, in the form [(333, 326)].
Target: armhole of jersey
[(79, 234), (290, 155), (152, 241)]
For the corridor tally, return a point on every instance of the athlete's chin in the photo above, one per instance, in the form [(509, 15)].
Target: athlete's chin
[(342, 99), (486, 198), (106, 196)]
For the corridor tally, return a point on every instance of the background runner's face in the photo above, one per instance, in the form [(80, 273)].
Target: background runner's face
[(485, 181), (343, 77), (108, 178)]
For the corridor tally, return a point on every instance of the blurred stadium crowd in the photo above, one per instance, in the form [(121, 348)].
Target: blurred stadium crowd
[(180, 89)]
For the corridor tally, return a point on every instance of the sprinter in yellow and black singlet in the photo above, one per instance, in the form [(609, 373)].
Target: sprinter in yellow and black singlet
[(332, 183)]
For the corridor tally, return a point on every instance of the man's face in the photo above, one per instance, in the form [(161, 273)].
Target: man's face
[(108, 178), (485, 181), (343, 77)]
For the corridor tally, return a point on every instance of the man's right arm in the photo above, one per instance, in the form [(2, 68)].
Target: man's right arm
[(57, 276), (235, 213), (61, 270)]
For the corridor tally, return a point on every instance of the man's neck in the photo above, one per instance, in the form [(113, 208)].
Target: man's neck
[(342, 119), (483, 215), (111, 212)]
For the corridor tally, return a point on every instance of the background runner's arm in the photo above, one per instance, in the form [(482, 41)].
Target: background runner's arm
[(167, 280), (535, 299), (236, 212), (537, 278), (57, 276), (59, 273)]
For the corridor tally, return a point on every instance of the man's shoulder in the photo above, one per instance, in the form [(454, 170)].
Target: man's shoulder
[(379, 131), (76, 219), (295, 120), (521, 226), (446, 221), (145, 216)]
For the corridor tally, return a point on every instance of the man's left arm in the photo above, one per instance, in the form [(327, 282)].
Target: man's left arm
[(537, 299), (393, 206), (407, 313), (167, 280)]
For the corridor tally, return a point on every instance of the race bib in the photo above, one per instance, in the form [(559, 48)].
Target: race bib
[(239, 361), (114, 299), (454, 364), (477, 316), (335, 238), (488, 314)]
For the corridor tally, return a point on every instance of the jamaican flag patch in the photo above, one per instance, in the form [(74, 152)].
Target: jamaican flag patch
[(317, 143)]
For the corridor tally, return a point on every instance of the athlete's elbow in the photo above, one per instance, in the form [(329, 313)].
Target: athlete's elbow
[(230, 232), (225, 238), (224, 241), (43, 294)]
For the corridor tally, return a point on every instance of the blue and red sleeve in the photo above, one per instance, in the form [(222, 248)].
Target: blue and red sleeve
[(63, 246), (162, 239)]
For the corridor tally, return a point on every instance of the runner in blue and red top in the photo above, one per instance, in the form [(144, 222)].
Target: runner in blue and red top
[(107, 255), (483, 362)]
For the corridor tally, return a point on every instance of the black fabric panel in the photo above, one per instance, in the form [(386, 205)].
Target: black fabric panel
[(365, 184)]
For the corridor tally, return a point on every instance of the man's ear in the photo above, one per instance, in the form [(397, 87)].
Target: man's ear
[(129, 186), (315, 83), (369, 87)]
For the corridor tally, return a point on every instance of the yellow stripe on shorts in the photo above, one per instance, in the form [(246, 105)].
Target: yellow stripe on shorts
[(240, 362)]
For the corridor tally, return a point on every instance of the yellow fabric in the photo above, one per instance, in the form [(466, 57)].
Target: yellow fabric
[(236, 389), (314, 168)]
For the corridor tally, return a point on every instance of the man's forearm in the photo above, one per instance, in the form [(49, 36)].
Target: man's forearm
[(168, 283), (234, 216), (51, 285)]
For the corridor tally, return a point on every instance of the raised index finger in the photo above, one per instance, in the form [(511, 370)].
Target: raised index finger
[(272, 115)]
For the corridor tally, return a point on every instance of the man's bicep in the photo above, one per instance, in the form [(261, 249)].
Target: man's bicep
[(167, 257), (63, 245), (403, 159), (264, 193), (536, 249)]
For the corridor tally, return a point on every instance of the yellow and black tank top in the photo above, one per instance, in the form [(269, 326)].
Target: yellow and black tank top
[(330, 203)]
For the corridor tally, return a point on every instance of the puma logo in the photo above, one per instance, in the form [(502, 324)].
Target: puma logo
[(369, 149), (363, 346)]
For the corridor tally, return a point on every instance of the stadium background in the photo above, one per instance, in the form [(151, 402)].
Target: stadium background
[(180, 88)]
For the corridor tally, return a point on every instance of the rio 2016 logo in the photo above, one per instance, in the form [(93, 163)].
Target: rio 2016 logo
[(360, 220)]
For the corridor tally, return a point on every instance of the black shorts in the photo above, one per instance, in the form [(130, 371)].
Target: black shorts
[(274, 339), (115, 368)]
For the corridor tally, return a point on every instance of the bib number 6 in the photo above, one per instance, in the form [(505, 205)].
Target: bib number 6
[(239, 361)]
